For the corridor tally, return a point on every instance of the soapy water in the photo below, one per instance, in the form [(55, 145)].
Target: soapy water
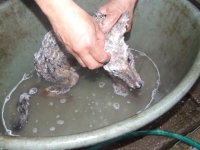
[(93, 105), (26, 76), (34, 130), (116, 105), (57, 116), (158, 80), (32, 91), (120, 91), (60, 122), (52, 128), (63, 101), (101, 84)]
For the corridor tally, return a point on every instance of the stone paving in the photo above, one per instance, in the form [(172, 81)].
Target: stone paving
[(183, 118)]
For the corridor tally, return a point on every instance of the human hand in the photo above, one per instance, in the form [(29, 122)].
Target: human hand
[(114, 9), (77, 30)]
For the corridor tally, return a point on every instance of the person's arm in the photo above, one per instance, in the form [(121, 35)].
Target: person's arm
[(77, 30), (114, 9)]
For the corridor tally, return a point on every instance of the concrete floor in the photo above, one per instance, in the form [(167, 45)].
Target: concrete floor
[(183, 118)]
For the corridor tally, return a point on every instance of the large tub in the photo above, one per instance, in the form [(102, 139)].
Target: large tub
[(167, 31)]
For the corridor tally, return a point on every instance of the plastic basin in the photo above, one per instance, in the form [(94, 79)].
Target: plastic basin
[(168, 31)]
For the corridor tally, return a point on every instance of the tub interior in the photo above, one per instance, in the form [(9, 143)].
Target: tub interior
[(168, 35)]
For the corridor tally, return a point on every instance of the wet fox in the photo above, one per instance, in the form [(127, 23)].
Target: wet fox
[(53, 63), (121, 64)]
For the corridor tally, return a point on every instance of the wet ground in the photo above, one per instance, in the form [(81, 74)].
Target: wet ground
[(183, 118)]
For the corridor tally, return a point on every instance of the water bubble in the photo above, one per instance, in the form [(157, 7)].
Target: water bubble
[(34, 130), (128, 101), (63, 101), (51, 103), (101, 84), (23, 96), (91, 126), (154, 92), (52, 128), (116, 105), (57, 116), (142, 53), (60, 122), (76, 111), (36, 121), (32, 91), (27, 76), (7, 98), (120, 90), (93, 94)]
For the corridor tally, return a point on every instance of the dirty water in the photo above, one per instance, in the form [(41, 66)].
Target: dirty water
[(90, 105)]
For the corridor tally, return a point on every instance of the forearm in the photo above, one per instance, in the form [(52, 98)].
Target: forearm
[(77, 30)]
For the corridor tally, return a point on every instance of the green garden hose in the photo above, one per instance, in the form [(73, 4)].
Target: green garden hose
[(149, 132)]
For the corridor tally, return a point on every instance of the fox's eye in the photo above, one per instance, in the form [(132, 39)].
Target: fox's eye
[(128, 60)]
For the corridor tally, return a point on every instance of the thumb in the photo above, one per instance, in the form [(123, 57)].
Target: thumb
[(109, 21), (128, 27)]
